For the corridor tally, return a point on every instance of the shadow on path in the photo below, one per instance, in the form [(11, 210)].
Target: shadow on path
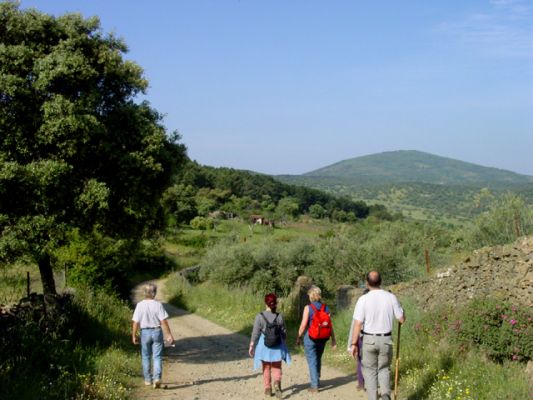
[(325, 385), (208, 349), (234, 379)]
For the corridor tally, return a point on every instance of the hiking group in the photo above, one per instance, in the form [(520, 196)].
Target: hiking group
[(369, 341)]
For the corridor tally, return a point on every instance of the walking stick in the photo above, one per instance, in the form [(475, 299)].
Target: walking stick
[(397, 369)]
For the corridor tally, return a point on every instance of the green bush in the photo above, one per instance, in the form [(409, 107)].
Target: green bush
[(269, 265), (506, 219), (202, 223), (504, 331)]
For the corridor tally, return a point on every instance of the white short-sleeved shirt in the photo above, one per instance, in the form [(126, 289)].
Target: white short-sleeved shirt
[(377, 310), (149, 313)]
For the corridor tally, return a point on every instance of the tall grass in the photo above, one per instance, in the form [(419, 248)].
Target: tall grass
[(80, 351)]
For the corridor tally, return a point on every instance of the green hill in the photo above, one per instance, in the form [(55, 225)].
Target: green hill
[(417, 184), (416, 166)]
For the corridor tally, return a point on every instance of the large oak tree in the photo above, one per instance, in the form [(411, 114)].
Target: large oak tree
[(76, 148)]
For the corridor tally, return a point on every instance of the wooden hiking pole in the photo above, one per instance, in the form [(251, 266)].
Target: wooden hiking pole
[(397, 369)]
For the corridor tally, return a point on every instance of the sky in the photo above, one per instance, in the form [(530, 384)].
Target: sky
[(290, 86)]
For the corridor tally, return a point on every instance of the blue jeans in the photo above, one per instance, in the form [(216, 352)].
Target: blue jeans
[(313, 353), (152, 349)]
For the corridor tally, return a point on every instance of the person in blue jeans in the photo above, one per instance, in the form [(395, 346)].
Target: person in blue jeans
[(313, 348), (151, 319)]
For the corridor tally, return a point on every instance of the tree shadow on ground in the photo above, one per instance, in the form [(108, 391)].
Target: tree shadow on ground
[(209, 349), (179, 385)]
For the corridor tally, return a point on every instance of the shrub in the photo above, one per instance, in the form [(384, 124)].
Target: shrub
[(503, 330), (506, 219), (202, 223), (266, 266)]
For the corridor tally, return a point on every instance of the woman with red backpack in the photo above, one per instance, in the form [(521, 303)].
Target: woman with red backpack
[(316, 329)]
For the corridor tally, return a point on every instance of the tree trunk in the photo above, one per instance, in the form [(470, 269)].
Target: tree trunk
[(47, 275)]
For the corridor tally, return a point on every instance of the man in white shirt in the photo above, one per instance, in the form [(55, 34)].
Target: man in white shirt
[(150, 316), (376, 312)]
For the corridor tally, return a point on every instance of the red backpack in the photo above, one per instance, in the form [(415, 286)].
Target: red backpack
[(320, 327)]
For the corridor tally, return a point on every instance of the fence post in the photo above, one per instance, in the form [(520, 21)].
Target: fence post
[(428, 266)]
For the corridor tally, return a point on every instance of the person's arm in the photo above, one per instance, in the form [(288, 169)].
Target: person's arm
[(256, 332), (283, 328), (358, 326), (333, 340), (303, 325), (134, 330), (166, 329)]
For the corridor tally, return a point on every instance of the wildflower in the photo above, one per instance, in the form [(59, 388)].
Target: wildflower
[(512, 322)]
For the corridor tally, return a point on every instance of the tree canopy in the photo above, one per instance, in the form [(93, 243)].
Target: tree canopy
[(76, 148)]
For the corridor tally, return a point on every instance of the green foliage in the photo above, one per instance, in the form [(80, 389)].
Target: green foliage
[(95, 260), (71, 351), (317, 211), (76, 151), (202, 223), (396, 249), (178, 202), (242, 193), (436, 364), (504, 331), (266, 266), (506, 220)]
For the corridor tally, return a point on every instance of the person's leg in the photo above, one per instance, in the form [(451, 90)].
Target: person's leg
[(276, 377), (369, 361), (157, 350), (311, 356), (360, 379), (384, 361), (320, 346), (146, 354), (267, 366)]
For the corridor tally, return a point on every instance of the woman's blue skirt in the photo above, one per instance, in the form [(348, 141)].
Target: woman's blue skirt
[(270, 354)]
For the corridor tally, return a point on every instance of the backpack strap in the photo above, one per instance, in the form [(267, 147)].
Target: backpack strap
[(266, 320), (313, 307)]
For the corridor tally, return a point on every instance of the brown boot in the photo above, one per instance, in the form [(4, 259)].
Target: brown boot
[(277, 390), (268, 393)]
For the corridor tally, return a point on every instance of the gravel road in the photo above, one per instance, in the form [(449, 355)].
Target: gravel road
[(211, 362)]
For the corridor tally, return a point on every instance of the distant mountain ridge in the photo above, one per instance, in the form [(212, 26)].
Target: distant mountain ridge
[(404, 166)]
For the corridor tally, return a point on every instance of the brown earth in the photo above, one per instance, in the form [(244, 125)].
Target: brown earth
[(212, 362)]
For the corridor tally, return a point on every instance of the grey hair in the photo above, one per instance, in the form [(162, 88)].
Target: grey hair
[(150, 289)]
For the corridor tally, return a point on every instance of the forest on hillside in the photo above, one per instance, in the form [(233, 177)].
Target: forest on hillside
[(418, 200)]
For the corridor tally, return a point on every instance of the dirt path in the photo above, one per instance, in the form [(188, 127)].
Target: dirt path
[(211, 362)]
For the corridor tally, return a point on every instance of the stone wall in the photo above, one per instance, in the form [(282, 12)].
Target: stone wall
[(501, 272)]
